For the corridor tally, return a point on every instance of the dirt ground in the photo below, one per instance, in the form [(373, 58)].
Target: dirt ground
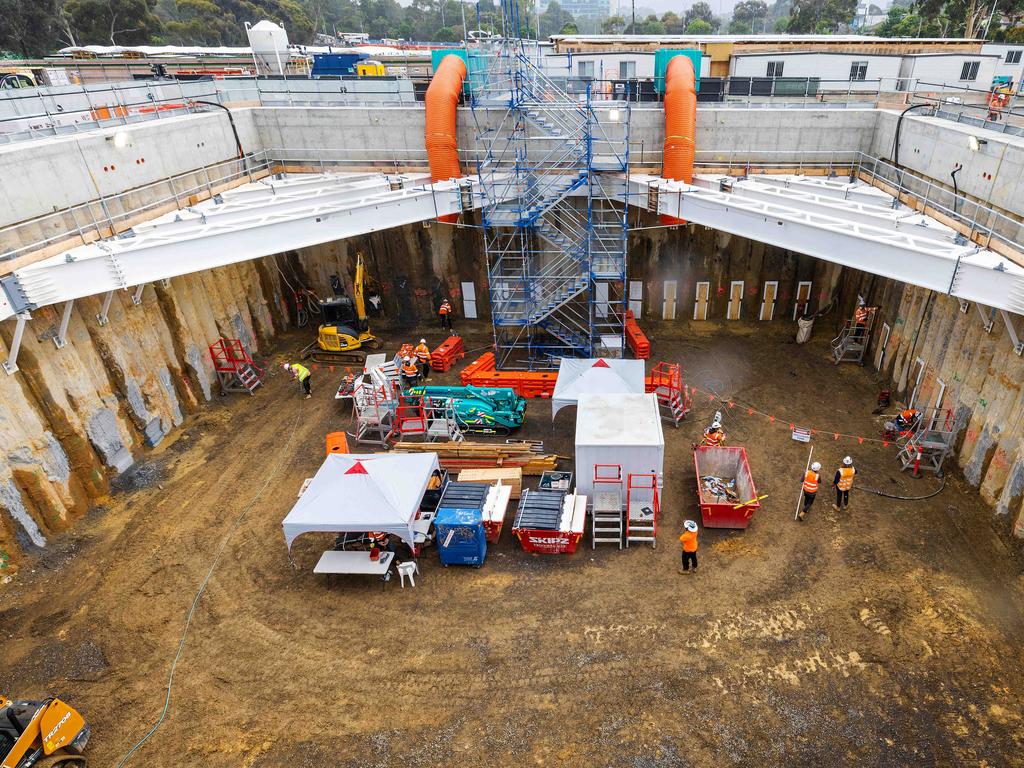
[(889, 635)]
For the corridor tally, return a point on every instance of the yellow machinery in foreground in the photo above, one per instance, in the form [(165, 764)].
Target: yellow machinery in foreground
[(41, 734), (343, 326)]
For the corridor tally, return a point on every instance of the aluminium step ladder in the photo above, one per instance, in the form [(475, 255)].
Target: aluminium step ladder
[(642, 508), (606, 515)]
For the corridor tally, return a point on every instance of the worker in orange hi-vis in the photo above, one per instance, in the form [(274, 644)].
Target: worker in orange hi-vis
[(410, 372), (843, 482), (445, 311), (714, 435), (422, 353), (689, 542), (812, 479)]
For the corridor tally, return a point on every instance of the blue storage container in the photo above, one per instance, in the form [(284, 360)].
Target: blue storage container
[(461, 538), (335, 63)]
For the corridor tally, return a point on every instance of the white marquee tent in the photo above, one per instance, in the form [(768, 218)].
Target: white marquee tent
[(352, 493), (599, 376)]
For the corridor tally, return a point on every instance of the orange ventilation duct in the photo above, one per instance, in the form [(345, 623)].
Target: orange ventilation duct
[(680, 123), (441, 106)]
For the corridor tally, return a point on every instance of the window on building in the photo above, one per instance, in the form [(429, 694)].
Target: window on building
[(775, 68), (969, 71), (1013, 57), (859, 70), (585, 69), (627, 70)]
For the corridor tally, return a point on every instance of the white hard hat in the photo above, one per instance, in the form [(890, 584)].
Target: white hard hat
[(847, 461), (816, 466), (690, 525), (287, 366), (407, 360), (423, 341), (716, 425)]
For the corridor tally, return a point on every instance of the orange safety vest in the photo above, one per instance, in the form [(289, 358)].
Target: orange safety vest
[(689, 541), (714, 437), (423, 352), (410, 369), (811, 479), (445, 308), (861, 315), (846, 478)]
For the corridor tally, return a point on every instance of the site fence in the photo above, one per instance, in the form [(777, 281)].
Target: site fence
[(105, 216)]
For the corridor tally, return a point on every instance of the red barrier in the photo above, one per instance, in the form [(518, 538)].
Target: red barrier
[(636, 339), (444, 356)]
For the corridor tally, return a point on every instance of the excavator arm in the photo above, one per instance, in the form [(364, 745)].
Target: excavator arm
[(357, 288)]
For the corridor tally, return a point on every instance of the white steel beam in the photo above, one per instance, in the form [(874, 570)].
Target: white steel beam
[(901, 219), (963, 271), (826, 187), (215, 235)]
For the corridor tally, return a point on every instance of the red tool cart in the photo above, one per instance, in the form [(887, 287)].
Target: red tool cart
[(550, 522), (725, 487)]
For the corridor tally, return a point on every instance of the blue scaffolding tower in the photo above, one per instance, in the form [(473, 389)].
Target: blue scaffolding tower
[(554, 170)]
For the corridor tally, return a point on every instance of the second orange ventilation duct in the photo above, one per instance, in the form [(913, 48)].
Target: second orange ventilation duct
[(680, 124), (442, 102)]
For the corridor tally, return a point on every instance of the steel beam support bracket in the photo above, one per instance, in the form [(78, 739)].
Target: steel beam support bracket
[(11, 366), (987, 321), (61, 339), (103, 317), (137, 296), (1011, 328)]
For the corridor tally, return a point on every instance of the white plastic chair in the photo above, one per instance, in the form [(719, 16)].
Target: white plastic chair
[(408, 568)]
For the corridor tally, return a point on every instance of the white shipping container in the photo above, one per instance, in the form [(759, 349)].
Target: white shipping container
[(618, 429)]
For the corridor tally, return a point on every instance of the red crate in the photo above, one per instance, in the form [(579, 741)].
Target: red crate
[(724, 461), (444, 356), (636, 339)]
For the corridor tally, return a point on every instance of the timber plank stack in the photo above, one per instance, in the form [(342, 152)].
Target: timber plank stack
[(455, 456)]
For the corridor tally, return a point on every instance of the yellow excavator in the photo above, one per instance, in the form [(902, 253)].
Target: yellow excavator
[(41, 734), (343, 326)]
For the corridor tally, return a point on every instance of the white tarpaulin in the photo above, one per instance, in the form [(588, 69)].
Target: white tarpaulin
[(352, 493), (595, 377)]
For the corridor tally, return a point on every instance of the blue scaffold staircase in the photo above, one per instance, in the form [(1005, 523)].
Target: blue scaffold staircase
[(553, 167)]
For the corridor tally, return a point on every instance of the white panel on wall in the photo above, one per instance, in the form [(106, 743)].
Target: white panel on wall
[(469, 301), (636, 297)]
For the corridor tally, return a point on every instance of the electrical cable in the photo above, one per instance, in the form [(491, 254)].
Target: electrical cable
[(202, 588), (906, 498)]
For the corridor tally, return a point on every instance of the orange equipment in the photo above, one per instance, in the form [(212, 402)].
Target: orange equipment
[(441, 105), (40, 733), (483, 372), (680, 123), (444, 356), (636, 338), (337, 442)]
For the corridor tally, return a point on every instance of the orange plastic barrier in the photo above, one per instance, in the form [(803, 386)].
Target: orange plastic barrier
[(485, 362), (337, 442), (441, 104), (680, 124), (444, 357), (636, 338), (482, 372)]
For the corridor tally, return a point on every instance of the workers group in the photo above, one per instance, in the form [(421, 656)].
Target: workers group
[(842, 482), (416, 367)]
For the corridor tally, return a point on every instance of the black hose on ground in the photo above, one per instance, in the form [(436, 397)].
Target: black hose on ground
[(906, 498)]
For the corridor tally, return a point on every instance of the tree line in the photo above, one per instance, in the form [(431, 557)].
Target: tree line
[(32, 28)]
